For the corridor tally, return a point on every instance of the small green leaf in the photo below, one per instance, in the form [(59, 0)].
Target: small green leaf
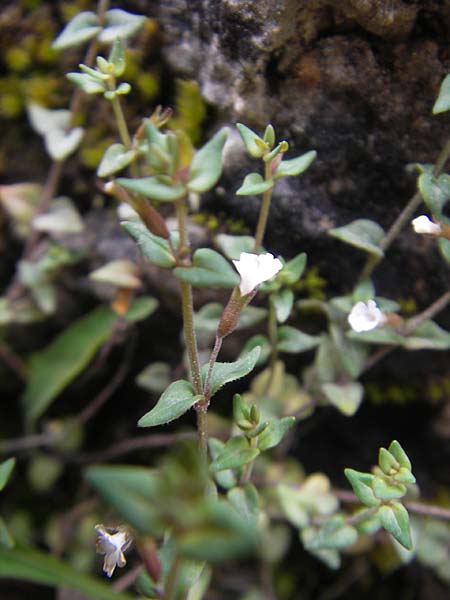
[(269, 135), (115, 159), (282, 303), (435, 192), (131, 491), (293, 269), (404, 476), (117, 57), (120, 273), (206, 166), (362, 486), (395, 519), (246, 502), (400, 455), (155, 377), (87, 83), (158, 187), (335, 534), (61, 144), (82, 28), (248, 137), (385, 490), (235, 454), (345, 397), (379, 335), (254, 184), (120, 24), (177, 399), (54, 367), (295, 166), (32, 565), (428, 336), (224, 373), (258, 340), (154, 248), (233, 245), (210, 269), (293, 341), (363, 291), (6, 468), (388, 463), (361, 233), (6, 540), (220, 535), (442, 103), (61, 217), (225, 479), (275, 431)]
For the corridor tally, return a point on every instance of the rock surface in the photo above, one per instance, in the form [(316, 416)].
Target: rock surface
[(353, 79)]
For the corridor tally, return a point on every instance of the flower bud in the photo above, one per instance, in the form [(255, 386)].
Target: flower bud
[(423, 225)]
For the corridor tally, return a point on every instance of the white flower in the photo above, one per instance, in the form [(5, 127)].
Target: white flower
[(256, 268), (423, 224), (365, 317), (112, 545)]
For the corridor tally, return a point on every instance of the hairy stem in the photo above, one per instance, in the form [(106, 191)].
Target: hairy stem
[(264, 212), (273, 338), (247, 472), (190, 340), (212, 362)]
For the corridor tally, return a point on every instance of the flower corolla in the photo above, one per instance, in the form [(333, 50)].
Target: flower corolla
[(424, 225), (254, 269), (365, 316), (113, 546)]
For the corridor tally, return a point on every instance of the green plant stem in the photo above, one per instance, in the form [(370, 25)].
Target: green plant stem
[(121, 122), (428, 313), (170, 589), (360, 516), (190, 340), (442, 159), (419, 508), (264, 211), (189, 335), (212, 362), (273, 339), (247, 472)]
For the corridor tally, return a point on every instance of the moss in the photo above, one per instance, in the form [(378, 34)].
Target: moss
[(312, 284)]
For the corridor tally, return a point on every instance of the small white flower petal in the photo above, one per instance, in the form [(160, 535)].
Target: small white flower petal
[(254, 269), (112, 545), (424, 225), (365, 317)]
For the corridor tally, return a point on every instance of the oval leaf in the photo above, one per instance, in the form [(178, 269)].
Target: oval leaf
[(155, 188), (210, 269), (224, 373), (235, 454), (442, 103), (120, 24), (153, 247), (346, 398), (254, 184), (82, 28), (178, 398), (295, 166), (292, 340), (206, 166), (115, 159), (362, 233)]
